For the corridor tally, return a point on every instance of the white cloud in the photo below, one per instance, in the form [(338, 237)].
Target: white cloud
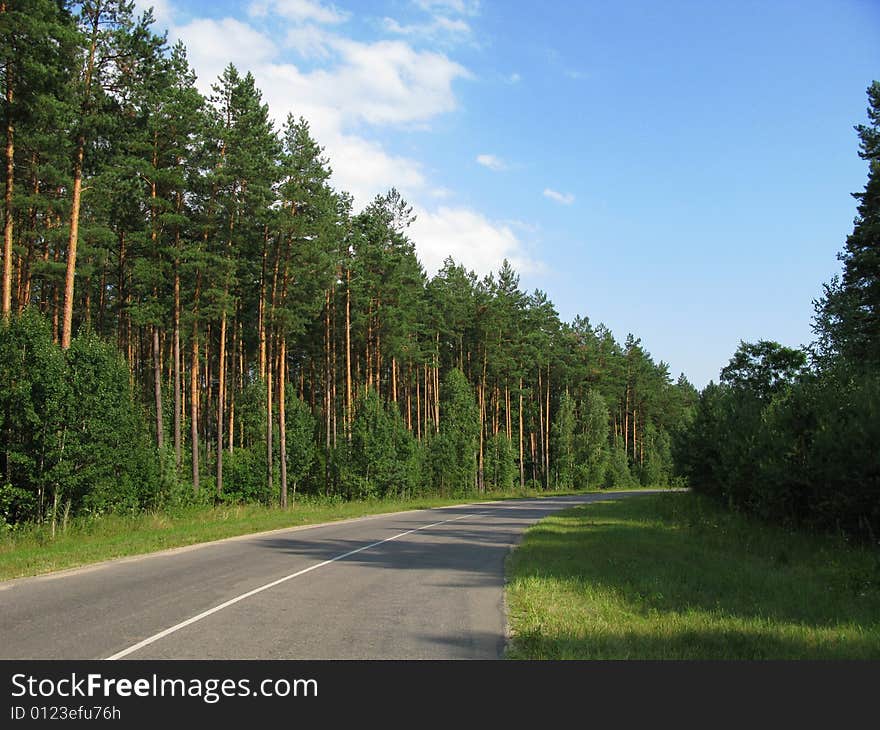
[(355, 87), (564, 198), (492, 162), (440, 26), (368, 170), (380, 83), (388, 82), (309, 41), (299, 11), (514, 78), (214, 44), (473, 240)]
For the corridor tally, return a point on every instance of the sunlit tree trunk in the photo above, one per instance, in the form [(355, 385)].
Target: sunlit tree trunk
[(7, 198), (194, 388), (282, 418)]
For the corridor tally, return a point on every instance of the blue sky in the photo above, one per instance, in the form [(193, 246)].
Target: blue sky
[(678, 170)]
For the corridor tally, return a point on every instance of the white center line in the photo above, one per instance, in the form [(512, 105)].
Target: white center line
[(232, 601)]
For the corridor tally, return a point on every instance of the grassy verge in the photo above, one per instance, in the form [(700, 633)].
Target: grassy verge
[(30, 550), (675, 577)]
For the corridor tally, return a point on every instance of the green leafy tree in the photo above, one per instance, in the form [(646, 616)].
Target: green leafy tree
[(456, 463), (371, 453), (300, 436), (33, 396), (658, 466), (563, 438), (617, 470), (591, 442), (109, 464), (763, 368), (499, 470)]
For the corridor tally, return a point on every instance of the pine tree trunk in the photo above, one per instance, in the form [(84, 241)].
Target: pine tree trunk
[(368, 360), (73, 239), (269, 394), (234, 368), (408, 386), (178, 406), (282, 419), (45, 285), (67, 318), (480, 479), (120, 293), (378, 349), (261, 304), (157, 388), (348, 401), (334, 402), (635, 447), (437, 382), (418, 406), (17, 281), (194, 388), (24, 298), (194, 406), (327, 402), (221, 400), (483, 424), (547, 433), (56, 307), (7, 199), (533, 450), (206, 411), (541, 425), (522, 473), (427, 400), (394, 379)]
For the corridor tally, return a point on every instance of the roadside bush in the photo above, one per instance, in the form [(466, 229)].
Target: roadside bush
[(72, 438)]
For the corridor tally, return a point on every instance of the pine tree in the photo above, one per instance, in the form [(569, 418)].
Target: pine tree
[(114, 43), (305, 228), (848, 315), (36, 38)]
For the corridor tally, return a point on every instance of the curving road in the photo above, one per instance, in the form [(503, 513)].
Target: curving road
[(427, 584)]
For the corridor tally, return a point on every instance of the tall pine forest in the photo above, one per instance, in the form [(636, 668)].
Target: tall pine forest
[(192, 313)]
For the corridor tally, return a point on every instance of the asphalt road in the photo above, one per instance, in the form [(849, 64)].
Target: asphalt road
[(427, 584)]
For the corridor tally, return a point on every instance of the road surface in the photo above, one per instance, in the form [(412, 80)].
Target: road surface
[(427, 584)]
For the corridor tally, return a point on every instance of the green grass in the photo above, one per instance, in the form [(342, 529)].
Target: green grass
[(30, 549), (675, 577)]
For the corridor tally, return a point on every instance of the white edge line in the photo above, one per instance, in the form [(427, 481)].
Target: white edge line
[(232, 601)]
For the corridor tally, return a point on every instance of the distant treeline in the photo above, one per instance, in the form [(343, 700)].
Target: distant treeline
[(192, 312), (794, 435)]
